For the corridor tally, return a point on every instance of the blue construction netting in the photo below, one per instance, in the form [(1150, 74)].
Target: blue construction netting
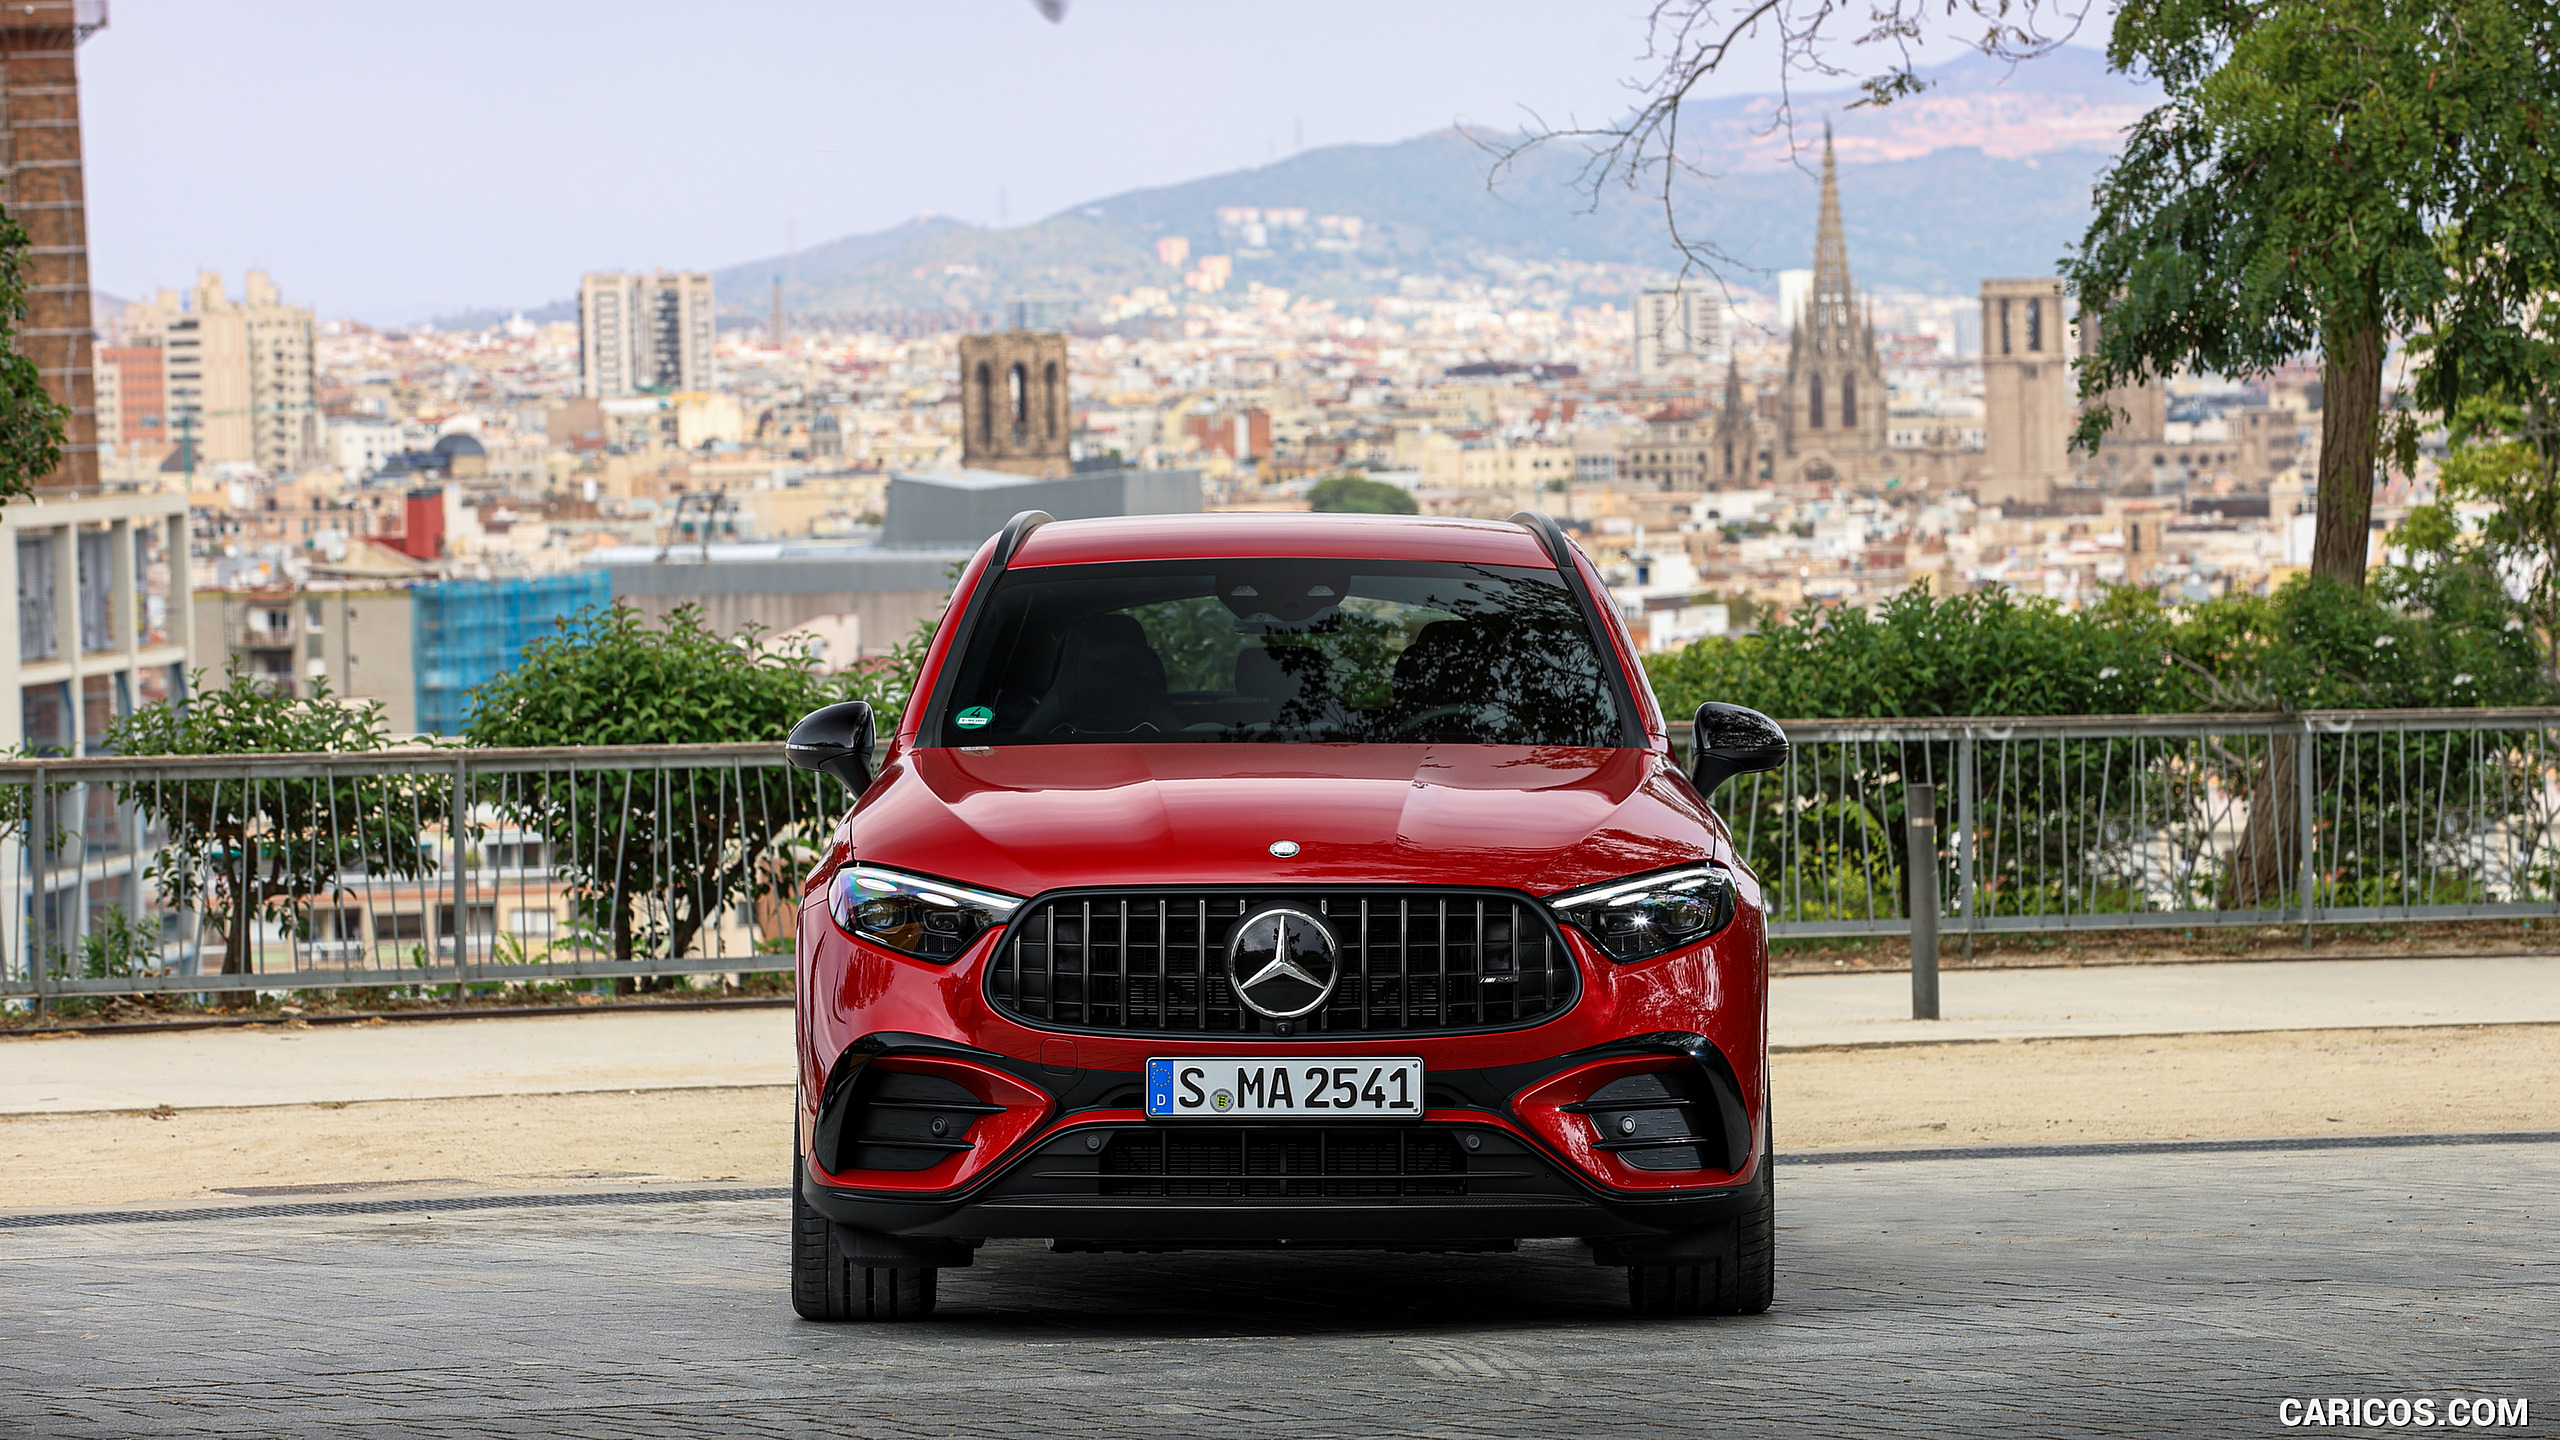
[(466, 633)]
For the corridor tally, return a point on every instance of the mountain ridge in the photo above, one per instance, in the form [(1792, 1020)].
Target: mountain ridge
[(1986, 173)]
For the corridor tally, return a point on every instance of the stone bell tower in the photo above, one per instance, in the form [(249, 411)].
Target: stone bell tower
[(1013, 403)]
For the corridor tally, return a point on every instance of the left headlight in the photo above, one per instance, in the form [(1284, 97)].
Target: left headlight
[(1649, 915), (913, 914)]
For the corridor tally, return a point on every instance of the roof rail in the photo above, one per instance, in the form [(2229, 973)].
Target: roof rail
[(1009, 539)]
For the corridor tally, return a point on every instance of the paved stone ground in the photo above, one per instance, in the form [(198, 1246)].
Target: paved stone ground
[(2133, 1295)]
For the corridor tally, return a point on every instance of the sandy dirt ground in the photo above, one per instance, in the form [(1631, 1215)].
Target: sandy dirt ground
[(2334, 1082)]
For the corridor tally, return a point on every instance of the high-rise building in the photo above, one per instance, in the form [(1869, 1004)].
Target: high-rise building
[(644, 334), (1678, 328), (235, 374), (133, 414), (1832, 416), (2027, 405)]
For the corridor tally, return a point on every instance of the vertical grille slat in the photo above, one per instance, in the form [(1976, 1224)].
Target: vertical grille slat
[(1412, 960)]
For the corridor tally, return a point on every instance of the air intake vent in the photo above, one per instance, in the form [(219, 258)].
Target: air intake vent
[(1376, 1162)]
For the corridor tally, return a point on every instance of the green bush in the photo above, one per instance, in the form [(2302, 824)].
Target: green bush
[(1353, 495), (2444, 635)]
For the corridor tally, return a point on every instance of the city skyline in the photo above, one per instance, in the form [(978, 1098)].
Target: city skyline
[(554, 154)]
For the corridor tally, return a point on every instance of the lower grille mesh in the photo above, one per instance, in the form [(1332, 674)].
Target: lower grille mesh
[(1241, 1162)]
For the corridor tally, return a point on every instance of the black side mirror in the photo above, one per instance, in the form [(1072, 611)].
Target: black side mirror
[(1729, 740), (835, 739)]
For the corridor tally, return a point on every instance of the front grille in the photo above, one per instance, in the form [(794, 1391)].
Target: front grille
[(1155, 962), (1242, 1162)]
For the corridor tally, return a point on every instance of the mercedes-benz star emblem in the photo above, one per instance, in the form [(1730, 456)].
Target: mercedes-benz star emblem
[(1283, 962)]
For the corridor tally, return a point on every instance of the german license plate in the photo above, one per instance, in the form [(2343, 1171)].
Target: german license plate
[(1297, 1088)]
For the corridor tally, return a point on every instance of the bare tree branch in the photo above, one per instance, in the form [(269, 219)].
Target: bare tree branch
[(1687, 42)]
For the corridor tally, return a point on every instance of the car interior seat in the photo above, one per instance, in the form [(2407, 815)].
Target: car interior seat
[(1109, 681), (1293, 678)]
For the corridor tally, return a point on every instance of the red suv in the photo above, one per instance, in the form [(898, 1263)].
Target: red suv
[(1279, 881)]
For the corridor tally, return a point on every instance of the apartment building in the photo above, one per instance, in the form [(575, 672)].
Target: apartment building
[(133, 420), (359, 638), (97, 585), (1679, 329), (647, 333), (235, 374)]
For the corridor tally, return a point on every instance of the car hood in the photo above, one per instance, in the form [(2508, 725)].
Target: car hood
[(1031, 818)]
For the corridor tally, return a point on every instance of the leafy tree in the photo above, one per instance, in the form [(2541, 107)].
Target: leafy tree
[(1357, 495), (31, 423), (2508, 458), (652, 855), (2323, 175), (243, 851)]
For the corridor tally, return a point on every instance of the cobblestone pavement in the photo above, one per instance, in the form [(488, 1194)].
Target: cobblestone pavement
[(2048, 1296)]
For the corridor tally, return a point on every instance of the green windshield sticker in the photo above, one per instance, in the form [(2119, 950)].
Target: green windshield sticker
[(973, 717)]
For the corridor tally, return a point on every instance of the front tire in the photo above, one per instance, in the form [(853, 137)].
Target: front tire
[(1738, 1277), (826, 1285)]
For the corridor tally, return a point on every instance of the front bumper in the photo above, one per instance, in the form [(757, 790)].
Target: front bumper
[(1091, 1171)]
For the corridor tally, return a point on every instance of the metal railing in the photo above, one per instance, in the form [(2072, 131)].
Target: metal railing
[(423, 869), (2166, 821), (409, 869)]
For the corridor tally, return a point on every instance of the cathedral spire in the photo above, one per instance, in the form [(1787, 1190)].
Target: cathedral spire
[(1831, 289)]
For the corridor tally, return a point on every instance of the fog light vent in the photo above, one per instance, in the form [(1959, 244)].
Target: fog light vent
[(1663, 1120)]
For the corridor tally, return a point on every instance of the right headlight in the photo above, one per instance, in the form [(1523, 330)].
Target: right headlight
[(1648, 915), (915, 914)]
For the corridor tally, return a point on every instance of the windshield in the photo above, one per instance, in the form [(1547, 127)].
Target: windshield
[(1280, 650)]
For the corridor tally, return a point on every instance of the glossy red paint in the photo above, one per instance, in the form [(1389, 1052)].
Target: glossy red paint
[(1318, 537), (1031, 819), (992, 1138), (1718, 989), (1542, 1109)]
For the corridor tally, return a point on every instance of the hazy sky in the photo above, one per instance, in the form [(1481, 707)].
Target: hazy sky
[(393, 161)]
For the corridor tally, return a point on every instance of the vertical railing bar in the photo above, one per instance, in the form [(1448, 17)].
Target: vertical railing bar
[(1965, 762), (39, 841), (460, 825), (616, 911), (2305, 772)]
